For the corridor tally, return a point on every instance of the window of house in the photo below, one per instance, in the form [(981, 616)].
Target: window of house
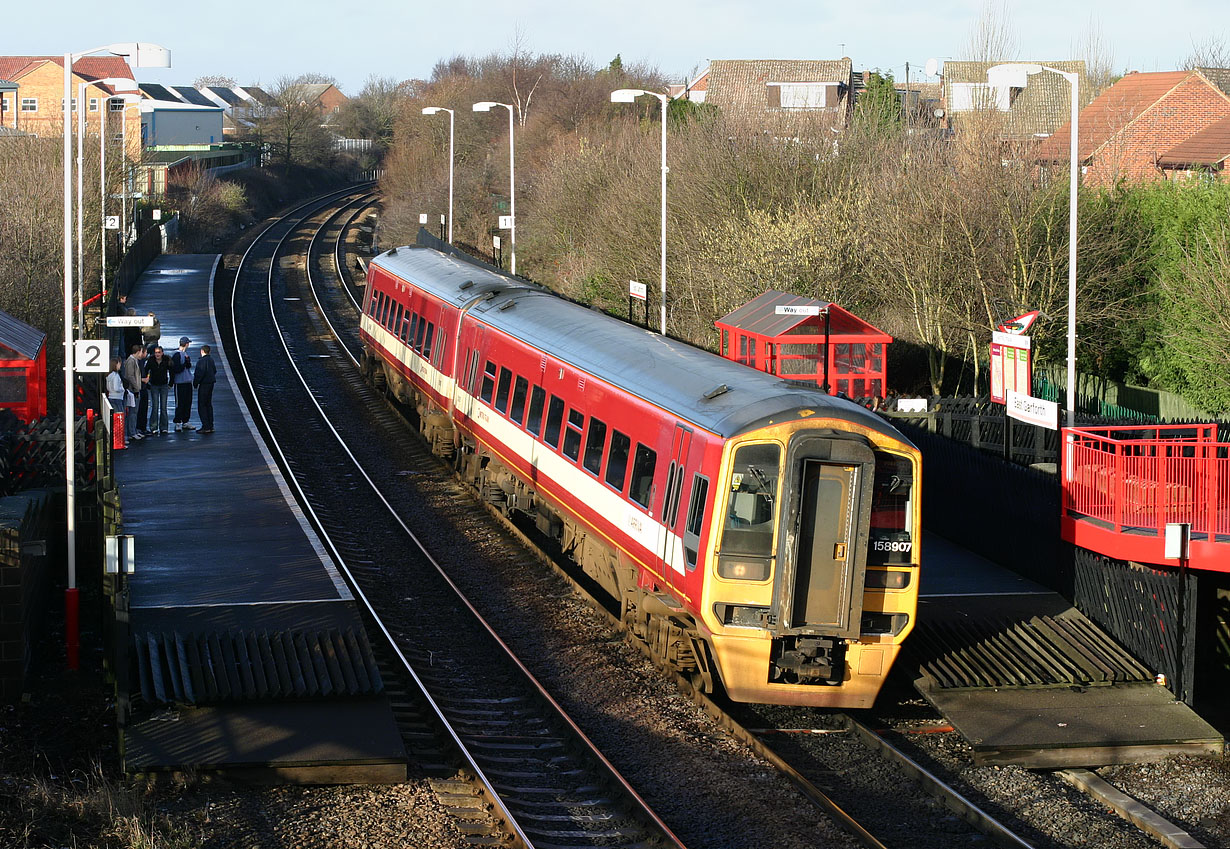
[(555, 420), (595, 441), (74, 102), (617, 460), (966, 97), (4, 104), (799, 95), (488, 389), (537, 398), (29, 104), (93, 104), (517, 411), (501, 392), (117, 105), (572, 434), (644, 464)]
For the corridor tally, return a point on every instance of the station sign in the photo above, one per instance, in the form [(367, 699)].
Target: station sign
[(128, 320), (90, 356), (1034, 411), (506, 222), (1011, 366), (495, 242), (112, 222), (788, 309), (423, 218), (638, 290)]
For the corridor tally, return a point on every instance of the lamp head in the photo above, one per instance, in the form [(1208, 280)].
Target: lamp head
[(1012, 74), (432, 110), (484, 106), (142, 53), (626, 95), (118, 83)]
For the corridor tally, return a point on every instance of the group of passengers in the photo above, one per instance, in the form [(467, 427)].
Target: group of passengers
[(142, 383)]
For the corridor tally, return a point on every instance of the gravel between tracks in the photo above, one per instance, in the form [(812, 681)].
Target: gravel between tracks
[(1192, 792)]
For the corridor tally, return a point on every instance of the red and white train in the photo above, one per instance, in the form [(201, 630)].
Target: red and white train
[(755, 532)]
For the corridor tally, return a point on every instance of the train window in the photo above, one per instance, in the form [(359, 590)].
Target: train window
[(595, 441), (473, 375), (670, 490), (385, 310), (431, 329), (414, 328), (696, 518), (671, 513), (643, 467), (555, 418), (892, 510), (418, 337), (617, 460), (751, 498), (537, 397), (501, 390), (517, 410), (488, 382), (572, 434), (396, 322)]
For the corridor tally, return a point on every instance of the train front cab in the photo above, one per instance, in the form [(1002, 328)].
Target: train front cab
[(813, 578)]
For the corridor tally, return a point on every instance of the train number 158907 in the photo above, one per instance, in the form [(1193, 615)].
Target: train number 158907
[(896, 546)]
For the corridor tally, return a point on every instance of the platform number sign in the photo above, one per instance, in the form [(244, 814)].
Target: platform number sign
[(112, 222), (90, 356)]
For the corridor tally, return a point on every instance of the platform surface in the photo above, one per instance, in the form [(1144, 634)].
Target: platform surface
[(221, 546), (980, 622)]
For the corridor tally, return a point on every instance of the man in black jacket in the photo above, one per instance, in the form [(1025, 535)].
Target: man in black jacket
[(204, 378)]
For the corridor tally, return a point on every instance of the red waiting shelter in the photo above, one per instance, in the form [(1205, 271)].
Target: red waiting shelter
[(23, 368), (804, 339)]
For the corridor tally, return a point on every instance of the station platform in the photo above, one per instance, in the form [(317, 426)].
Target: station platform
[(249, 658), (1029, 680)]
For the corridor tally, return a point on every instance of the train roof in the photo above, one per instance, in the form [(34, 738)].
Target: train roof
[(669, 373)]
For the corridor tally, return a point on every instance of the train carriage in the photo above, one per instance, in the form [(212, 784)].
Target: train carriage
[(755, 532)]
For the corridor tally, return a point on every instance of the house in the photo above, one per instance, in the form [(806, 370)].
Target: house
[(36, 105), (777, 94), (1204, 153), (1126, 130), (694, 91), (325, 97), (1036, 110)]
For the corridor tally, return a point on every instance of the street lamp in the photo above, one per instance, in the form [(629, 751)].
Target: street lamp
[(485, 106), (432, 110), (142, 55), (119, 84), (1015, 75), (128, 99), (629, 95)]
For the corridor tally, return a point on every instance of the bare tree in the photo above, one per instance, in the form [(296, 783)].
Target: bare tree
[(992, 35), (1211, 52), (315, 78), (1099, 58), (214, 79), (294, 128)]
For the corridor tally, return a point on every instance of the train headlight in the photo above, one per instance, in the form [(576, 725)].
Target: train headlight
[(737, 568), (886, 579)]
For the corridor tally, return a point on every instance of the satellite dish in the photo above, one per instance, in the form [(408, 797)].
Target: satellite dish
[(939, 113), (932, 67)]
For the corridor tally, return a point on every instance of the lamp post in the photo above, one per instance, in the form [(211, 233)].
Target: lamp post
[(102, 182), (432, 110), (1015, 74), (119, 84), (143, 55), (629, 95), (485, 106)]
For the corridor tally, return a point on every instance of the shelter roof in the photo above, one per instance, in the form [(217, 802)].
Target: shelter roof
[(760, 316), (19, 337)]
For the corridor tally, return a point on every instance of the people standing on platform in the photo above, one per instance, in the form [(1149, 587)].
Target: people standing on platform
[(131, 335), (181, 376), (204, 377), (116, 390), (151, 331), (131, 373), (159, 387)]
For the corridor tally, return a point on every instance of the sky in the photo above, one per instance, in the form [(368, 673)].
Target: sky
[(256, 43)]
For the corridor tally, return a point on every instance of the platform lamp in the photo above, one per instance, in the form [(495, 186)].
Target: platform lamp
[(142, 55), (1016, 75), (102, 164), (119, 84), (432, 110), (629, 95), (485, 106)]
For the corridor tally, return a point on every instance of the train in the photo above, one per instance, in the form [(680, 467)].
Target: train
[(759, 535)]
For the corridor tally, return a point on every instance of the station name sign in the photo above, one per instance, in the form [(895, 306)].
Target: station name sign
[(1035, 411)]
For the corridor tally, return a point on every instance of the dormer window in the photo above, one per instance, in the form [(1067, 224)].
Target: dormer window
[(968, 97), (801, 95)]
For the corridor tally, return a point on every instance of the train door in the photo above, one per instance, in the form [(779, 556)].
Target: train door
[(820, 590), (672, 544)]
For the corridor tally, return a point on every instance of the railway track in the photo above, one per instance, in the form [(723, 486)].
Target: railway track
[(323, 314), (527, 773)]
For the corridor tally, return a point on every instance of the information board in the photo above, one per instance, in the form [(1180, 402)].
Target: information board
[(1011, 366)]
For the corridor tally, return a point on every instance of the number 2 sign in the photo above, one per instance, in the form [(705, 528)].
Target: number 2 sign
[(90, 355)]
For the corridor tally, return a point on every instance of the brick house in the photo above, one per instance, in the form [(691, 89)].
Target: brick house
[(1204, 153), (37, 105), (781, 94), (324, 96), (1126, 130), (1034, 111)]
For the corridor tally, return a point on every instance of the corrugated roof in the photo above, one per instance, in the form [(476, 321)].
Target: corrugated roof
[(759, 316), (1208, 147), (738, 85), (1110, 113), (191, 95), (19, 337), (1040, 108)]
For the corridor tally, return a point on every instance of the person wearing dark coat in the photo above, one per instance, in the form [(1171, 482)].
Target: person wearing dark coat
[(181, 379), (159, 371), (204, 376)]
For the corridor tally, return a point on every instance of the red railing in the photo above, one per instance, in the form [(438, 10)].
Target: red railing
[(1137, 479)]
